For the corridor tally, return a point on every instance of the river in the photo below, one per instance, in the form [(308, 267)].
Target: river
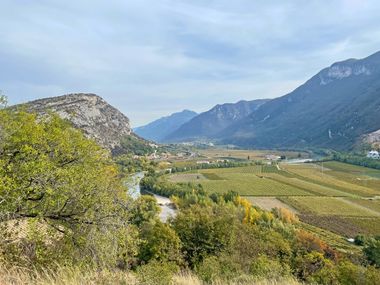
[(167, 209)]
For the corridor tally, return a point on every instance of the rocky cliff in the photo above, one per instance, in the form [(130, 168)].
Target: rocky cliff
[(90, 113)]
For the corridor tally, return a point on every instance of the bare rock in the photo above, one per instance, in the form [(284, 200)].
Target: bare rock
[(90, 113)]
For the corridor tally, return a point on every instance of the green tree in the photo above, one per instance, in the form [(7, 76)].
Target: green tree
[(3, 100), (144, 209), (63, 186), (372, 251), (159, 242), (205, 230)]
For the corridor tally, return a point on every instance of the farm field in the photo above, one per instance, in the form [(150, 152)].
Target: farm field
[(320, 175), (329, 206), (247, 181), (370, 204), (252, 154), (338, 197), (187, 177), (268, 203)]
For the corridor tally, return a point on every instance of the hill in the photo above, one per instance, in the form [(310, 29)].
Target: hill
[(94, 116), (207, 124), (159, 129), (334, 109)]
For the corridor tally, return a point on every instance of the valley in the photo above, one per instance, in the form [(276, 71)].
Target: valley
[(190, 142), (338, 197)]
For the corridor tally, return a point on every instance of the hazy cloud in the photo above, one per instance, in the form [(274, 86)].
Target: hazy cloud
[(153, 57)]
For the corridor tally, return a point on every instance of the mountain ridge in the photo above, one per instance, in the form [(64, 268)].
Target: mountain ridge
[(332, 109), (161, 127), (208, 123)]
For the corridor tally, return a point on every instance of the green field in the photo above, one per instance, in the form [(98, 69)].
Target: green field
[(320, 175), (339, 197), (247, 181), (329, 206)]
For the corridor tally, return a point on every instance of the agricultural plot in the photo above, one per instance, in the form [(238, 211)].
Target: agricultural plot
[(370, 226), (363, 176), (330, 206), (211, 176), (318, 175), (313, 188), (339, 198), (268, 203), (253, 186), (252, 154), (370, 204), (186, 177)]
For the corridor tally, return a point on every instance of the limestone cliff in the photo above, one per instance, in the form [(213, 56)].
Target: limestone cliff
[(90, 113)]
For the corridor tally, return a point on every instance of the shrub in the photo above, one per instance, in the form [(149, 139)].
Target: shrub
[(263, 267), (156, 272)]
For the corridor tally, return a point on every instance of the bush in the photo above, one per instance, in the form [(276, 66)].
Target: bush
[(160, 242), (204, 231), (372, 251), (263, 267), (156, 272)]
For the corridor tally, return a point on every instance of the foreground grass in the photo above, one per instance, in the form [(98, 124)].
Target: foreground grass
[(73, 276)]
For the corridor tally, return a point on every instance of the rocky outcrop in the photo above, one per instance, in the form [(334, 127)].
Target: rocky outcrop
[(90, 113), (373, 138)]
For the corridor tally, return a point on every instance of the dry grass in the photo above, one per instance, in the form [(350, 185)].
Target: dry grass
[(69, 276), (64, 276)]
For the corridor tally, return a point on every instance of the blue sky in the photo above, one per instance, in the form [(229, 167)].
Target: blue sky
[(150, 58)]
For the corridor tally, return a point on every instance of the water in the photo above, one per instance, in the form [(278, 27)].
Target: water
[(167, 209)]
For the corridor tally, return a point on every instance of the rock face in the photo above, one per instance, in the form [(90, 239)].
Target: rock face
[(373, 138), (90, 113)]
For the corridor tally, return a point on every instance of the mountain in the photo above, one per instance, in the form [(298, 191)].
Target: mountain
[(208, 124), (336, 108), (95, 117), (159, 129)]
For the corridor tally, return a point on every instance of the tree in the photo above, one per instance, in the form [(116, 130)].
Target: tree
[(372, 251), (160, 242), (205, 230), (63, 187), (144, 209), (3, 100)]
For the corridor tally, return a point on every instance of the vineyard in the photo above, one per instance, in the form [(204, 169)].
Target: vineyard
[(342, 198)]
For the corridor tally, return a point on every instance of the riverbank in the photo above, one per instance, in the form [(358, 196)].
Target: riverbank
[(166, 205)]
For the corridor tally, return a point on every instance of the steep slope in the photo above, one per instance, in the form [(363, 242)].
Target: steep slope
[(159, 129), (334, 109), (90, 113), (209, 123)]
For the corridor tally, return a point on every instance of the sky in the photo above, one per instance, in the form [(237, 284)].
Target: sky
[(150, 58)]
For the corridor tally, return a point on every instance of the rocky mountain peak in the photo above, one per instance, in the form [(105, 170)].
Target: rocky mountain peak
[(90, 113)]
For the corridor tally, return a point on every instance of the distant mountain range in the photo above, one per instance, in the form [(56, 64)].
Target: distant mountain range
[(159, 129), (208, 124), (337, 108), (334, 109)]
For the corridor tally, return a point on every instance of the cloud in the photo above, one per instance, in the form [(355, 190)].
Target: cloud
[(151, 58)]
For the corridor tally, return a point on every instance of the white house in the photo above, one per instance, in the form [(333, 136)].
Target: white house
[(373, 154)]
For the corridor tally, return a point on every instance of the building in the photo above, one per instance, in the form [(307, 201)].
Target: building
[(373, 154), (272, 157), (203, 162)]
